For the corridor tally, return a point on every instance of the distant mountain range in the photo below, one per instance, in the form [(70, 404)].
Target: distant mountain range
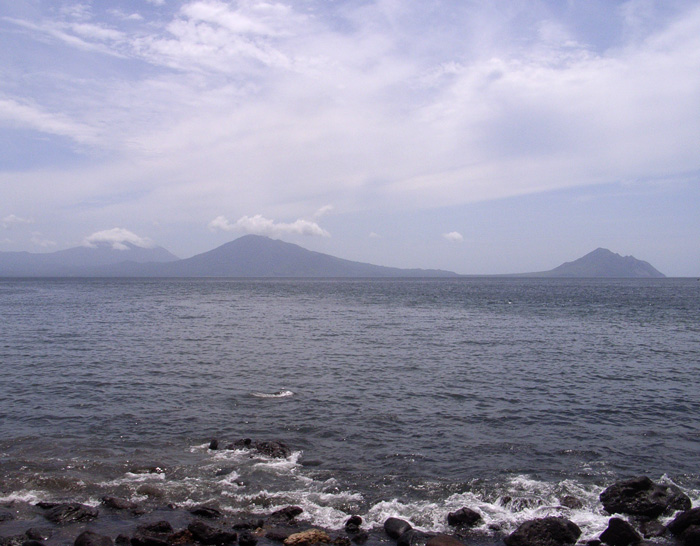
[(257, 256)]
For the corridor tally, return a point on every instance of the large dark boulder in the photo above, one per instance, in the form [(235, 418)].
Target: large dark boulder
[(395, 527), (89, 538), (620, 533), (684, 520), (642, 497), (205, 512), (206, 534), (465, 517), (550, 531), (70, 512), (284, 515)]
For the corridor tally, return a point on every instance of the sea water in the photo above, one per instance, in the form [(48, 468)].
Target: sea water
[(407, 398)]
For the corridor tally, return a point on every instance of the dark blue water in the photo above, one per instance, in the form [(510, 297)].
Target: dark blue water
[(400, 397)]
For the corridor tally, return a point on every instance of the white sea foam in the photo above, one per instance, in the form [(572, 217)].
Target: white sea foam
[(276, 394), (30, 497)]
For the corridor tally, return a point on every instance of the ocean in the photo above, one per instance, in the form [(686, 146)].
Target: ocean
[(408, 398)]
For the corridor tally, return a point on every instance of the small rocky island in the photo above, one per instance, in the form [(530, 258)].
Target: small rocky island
[(635, 507)]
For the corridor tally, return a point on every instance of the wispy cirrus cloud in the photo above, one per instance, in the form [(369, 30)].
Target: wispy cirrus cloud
[(12, 220)]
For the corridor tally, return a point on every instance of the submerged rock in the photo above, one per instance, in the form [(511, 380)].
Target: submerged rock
[(352, 525), (642, 497), (620, 533), (119, 504), (70, 512), (444, 540), (89, 538), (285, 515), (550, 531), (205, 512), (210, 535), (152, 534)]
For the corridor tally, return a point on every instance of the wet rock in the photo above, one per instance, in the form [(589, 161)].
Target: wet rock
[(620, 533), (464, 517), (569, 501), (691, 536), (152, 534), (550, 531), (270, 448), (246, 538), (286, 514), (684, 520), (306, 538), (248, 524), (444, 540), (652, 528), (6, 515), (214, 444), (205, 512), (150, 491), (70, 512), (210, 535), (395, 527), (278, 534), (89, 538), (17, 540), (360, 538), (180, 538), (46, 505), (35, 533), (341, 541), (352, 525), (119, 504), (122, 540), (32, 543), (642, 497)]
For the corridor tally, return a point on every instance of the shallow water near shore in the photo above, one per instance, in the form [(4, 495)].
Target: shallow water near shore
[(407, 398)]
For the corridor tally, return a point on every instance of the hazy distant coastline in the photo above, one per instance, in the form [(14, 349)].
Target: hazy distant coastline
[(258, 256)]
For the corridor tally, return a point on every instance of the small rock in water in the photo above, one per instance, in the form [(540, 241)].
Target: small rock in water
[(209, 535), (214, 444), (360, 538), (6, 515), (305, 538), (119, 504), (89, 538), (205, 512), (278, 534), (620, 533), (37, 534), (569, 501), (395, 527), (550, 531), (464, 516), (684, 520), (286, 514), (246, 538), (642, 497), (70, 512)]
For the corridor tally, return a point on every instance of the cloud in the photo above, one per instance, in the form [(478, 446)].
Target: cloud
[(323, 211), (117, 237), (12, 220), (34, 117), (453, 237), (259, 225), (373, 235), (39, 240)]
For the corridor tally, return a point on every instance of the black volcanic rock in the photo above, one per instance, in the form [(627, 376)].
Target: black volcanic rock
[(620, 533), (641, 497), (603, 263), (550, 531)]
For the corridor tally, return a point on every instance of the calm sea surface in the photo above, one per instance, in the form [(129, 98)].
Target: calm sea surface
[(399, 397)]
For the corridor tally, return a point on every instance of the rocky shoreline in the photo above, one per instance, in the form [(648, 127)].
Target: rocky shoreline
[(121, 522)]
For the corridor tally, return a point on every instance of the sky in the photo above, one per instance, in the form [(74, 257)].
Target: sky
[(474, 136)]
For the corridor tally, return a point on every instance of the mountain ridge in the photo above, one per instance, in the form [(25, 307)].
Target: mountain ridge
[(259, 256)]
